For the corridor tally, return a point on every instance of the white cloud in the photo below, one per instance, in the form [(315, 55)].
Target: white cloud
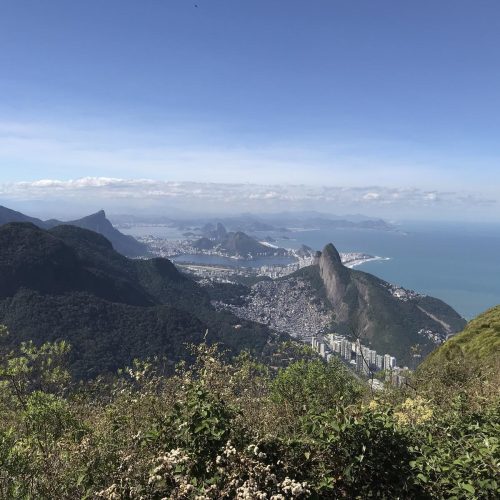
[(187, 153), (234, 196), (371, 196), (254, 177)]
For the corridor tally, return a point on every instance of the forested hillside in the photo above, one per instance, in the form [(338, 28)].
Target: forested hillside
[(125, 244), (479, 343), (69, 284)]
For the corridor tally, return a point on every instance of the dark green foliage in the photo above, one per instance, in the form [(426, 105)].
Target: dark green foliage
[(229, 430), (126, 245), (361, 453), (68, 283), (312, 386), (105, 335), (466, 463), (396, 323), (199, 423), (47, 416), (229, 293), (7, 215)]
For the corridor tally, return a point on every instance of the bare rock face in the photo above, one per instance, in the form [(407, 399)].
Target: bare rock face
[(349, 295), (336, 279)]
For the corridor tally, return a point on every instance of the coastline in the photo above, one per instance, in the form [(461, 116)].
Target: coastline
[(357, 263)]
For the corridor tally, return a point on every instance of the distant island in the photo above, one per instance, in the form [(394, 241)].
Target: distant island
[(281, 223)]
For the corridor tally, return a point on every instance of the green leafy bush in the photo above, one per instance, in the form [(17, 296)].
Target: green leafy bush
[(217, 429)]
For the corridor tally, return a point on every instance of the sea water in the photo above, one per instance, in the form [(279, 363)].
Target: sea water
[(458, 263)]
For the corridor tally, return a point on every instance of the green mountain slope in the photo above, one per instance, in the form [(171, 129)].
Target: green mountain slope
[(479, 342), (7, 215), (367, 307), (69, 283), (125, 244)]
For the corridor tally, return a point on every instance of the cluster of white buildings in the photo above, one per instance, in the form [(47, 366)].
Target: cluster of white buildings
[(363, 359), (403, 294)]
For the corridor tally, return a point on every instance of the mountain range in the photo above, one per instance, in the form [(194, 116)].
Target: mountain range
[(69, 283), (68, 280), (237, 244), (330, 297), (126, 245)]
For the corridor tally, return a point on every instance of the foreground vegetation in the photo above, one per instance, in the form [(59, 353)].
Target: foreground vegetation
[(239, 429)]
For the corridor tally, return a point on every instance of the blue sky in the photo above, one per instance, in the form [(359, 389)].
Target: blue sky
[(385, 95)]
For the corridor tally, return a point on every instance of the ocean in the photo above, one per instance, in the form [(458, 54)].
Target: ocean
[(456, 262)]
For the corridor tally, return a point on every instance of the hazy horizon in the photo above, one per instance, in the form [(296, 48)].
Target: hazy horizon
[(53, 198), (386, 108)]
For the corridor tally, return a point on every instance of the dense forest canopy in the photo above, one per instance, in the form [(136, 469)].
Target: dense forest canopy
[(68, 283)]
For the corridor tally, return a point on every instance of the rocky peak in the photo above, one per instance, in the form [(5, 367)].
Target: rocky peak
[(336, 278), (221, 231), (98, 216), (331, 253), (331, 266), (95, 222)]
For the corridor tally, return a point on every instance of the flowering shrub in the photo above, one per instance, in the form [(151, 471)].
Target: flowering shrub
[(414, 412), (234, 430)]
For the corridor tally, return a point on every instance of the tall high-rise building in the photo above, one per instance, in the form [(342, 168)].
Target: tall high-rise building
[(346, 349), (389, 362), (321, 349), (361, 364), (379, 362)]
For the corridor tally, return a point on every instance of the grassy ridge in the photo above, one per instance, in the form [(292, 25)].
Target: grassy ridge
[(479, 341)]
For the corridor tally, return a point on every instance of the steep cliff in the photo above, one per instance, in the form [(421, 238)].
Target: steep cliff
[(370, 308), (337, 281)]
